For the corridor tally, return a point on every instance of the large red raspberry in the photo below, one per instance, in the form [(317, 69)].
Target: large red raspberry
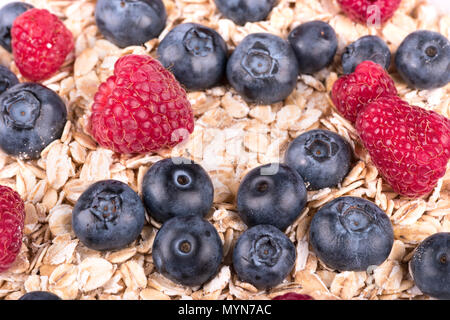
[(293, 296), (409, 145), (141, 108), (353, 91), (12, 217), (40, 43), (369, 11)]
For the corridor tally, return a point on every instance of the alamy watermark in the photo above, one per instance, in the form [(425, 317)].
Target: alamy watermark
[(373, 16)]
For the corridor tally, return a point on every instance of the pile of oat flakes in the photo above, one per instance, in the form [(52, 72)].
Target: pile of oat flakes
[(230, 138)]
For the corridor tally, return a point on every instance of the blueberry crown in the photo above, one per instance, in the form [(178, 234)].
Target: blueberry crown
[(259, 63), (20, 110)]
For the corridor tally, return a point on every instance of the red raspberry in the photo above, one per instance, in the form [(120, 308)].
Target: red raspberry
[(369, 11), (12, 217), (352, 92), (40, 43), (141, 108), (293, 296), (409, 145)]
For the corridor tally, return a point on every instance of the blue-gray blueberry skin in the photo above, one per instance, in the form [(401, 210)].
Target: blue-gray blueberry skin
[(9, 13), (351, 234), (423, 60), (39, 295), (243, 11), (195, 54), (263, 256), (323, 158), (314, 44), (109, 215), (371, 48), (31, 117), (263, 68), (177, 187), (277, 198), (430, 266), (130, 22), (187, 250), (7, 79)]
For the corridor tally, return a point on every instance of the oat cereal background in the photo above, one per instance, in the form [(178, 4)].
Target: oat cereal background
[(230, 138)]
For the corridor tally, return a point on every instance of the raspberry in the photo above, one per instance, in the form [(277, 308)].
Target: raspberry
[(409, 145), (352, 92), (293, 296), (12, 217), (141, 108), (40, 43), (369, 11)]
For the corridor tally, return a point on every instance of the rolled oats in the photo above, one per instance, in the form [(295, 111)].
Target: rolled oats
[(61, 251), (60, 220), (348, 284), (152, 294), (93, 273)]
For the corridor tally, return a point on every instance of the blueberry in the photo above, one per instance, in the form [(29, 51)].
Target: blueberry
[(130, 22), (177, 187), (314, 44), (263, 68), (423, 60), (195, 54), (109, 215), (323, 158), (242, 11), (8, 14), (271, 194), (430, 266), (351, 234), (31, 117), (371, 48), (39, 295), (187, 250), (263, 256), (7, 79)]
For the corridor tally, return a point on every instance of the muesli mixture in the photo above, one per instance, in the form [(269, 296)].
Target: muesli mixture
[(230, 138)]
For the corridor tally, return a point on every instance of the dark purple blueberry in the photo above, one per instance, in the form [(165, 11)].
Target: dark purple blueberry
[(109, 215), (39, 295), (130, 22), (31, 117), (7, 79), (423, 60), (187, 250), (195, 54), (263, 256), (371, 48), (430, 266), (242, 11), (314, 44), (271, 194), (263, 68), (351, 234), (177, 187), (9, 13), (323, 158)]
